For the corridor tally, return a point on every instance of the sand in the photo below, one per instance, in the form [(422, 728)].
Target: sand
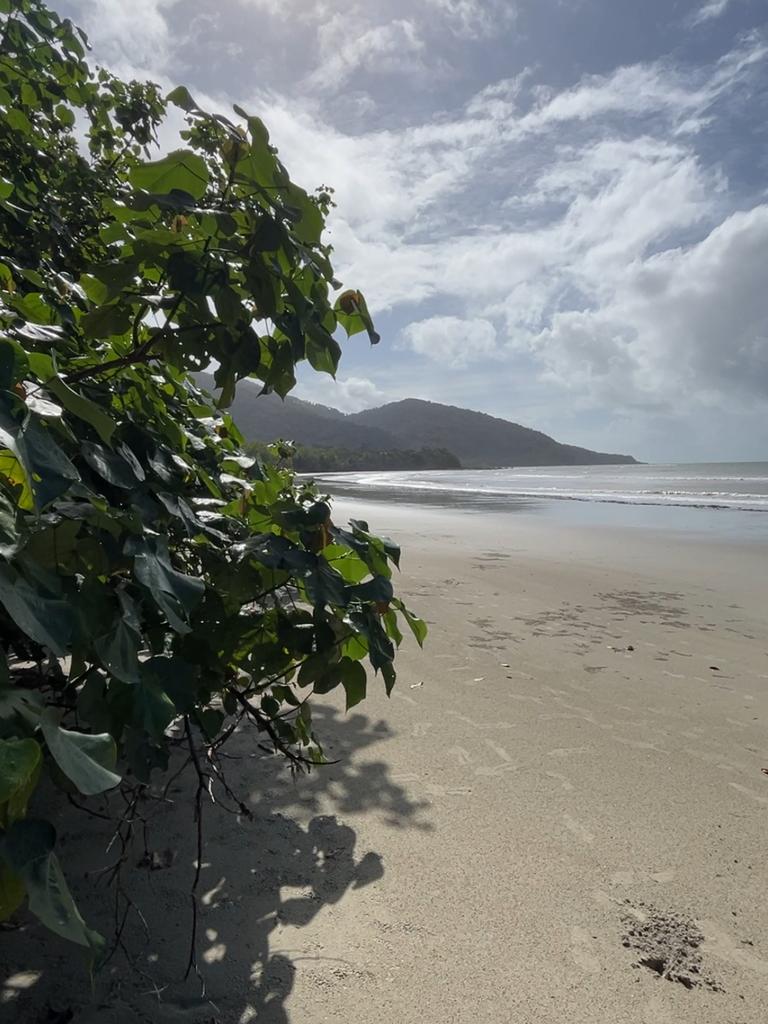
[(559, 816)]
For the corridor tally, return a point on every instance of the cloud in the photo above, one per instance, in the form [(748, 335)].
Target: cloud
[(451, 340), (688, 318), (710, 10), (475, 18), (349, 394), (130, 37), (583, 237), (345, 49)]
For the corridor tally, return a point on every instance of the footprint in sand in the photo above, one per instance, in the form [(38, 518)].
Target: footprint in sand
[(583, 950)]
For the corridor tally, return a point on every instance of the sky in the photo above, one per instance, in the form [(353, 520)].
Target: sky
[(556, 209)]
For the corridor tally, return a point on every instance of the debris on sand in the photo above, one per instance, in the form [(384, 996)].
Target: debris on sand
[(667, 944)]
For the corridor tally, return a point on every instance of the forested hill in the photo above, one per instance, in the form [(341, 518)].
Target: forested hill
[(476, 438), (269, 417)]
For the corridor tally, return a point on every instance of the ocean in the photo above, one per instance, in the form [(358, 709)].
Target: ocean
[(725, 497)]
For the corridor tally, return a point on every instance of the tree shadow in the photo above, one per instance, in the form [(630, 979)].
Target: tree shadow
[(260, 877)]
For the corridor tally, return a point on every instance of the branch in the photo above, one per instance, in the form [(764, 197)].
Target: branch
[(201, 788)]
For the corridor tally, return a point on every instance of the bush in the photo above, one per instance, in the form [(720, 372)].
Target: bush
[(158, 586)]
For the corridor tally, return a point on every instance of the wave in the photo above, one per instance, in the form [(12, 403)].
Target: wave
[(666, 496)]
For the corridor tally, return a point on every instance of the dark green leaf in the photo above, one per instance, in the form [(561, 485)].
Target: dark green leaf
[(86, 759), (83, 408), (20, 762), (27, 849), (114, 469), (106, 321), (354, 681), (48, 621), (14, 365)]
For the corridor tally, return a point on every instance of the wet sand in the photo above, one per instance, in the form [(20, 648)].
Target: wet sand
[(559, 816)]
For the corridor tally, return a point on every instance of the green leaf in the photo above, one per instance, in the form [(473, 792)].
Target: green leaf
[(14, 365), (390, 676), (83, 408), (176, 593), (180, 97), (181, 169), (20, 763), (354, 680), (12, 891), (114, 469), (153, 709), (379, 590), (119, 652), (211, 721), (323, 351), (27, 850), (9, 528), (418, 626), (87, 760), (176, 678), (50, 472), (19, 709), (46, 620), (352, 313), (106, 321)]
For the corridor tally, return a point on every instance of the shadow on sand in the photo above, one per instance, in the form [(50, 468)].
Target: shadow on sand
[(261, 875)]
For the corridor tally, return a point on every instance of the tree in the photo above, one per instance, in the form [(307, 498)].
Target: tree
[(158, 586)]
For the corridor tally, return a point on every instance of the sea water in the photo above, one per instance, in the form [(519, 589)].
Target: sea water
[(725, 497)]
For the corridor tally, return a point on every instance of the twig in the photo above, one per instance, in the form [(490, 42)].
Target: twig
[(201, 787)]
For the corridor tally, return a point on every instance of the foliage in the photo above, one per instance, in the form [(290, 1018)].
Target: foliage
[(306, 459), (158, 586)]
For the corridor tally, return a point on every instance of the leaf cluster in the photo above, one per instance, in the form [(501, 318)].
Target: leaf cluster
[(156, 582)]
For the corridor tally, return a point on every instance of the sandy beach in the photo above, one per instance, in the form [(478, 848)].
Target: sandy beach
[(559, 816)]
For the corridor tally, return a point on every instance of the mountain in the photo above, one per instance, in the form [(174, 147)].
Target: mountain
[(477, 439), (269, 417)]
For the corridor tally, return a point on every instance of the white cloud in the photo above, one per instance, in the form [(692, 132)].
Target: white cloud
[(710, 10), (349, 394), (131, 37), (475, 18), (687, 319), (345, 48), (585, 232), (450, 340)]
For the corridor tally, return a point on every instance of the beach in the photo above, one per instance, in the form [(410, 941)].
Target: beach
[(558, 816)]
